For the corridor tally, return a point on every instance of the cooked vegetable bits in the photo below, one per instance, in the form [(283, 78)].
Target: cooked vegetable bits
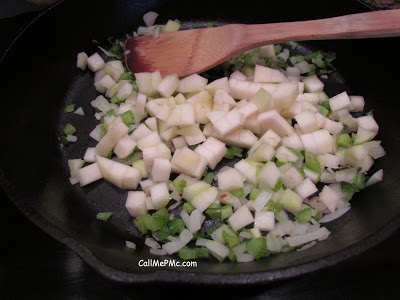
[(299, 155)]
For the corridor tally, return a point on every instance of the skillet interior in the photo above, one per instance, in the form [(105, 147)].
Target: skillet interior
[(34, 171)]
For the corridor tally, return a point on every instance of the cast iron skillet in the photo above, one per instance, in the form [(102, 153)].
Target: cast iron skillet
[(39, 78)]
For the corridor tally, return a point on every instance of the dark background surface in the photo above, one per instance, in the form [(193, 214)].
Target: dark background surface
[(34, 264)]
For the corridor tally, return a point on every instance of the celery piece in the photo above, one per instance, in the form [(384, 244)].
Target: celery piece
[(294, 151), (258, 247), (254, 194), (188, 207), (318, 216), (326, 105), (272, 206), (104, 216), (278, 49), (231, 151), (294, 45), (126, 76), (323, 111), (127, 117), (179, 185), (176, 225), (349, 187), (343, 140), (239, 192), (141, 223), (214, 213), (226, 212), (348, 196), (69, 108), (301, 171), (114, 99), (359, 180), (69, 129), (163, 233), (209, 24), (304, 216), (312, 162), (278, 185), (188, 253), (230, 238), (209, 177)]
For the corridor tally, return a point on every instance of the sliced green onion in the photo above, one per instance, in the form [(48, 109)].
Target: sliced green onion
[(69, 129), (104, 216), (69, 108)]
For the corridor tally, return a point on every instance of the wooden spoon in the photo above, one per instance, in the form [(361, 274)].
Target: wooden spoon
[(193, 51)]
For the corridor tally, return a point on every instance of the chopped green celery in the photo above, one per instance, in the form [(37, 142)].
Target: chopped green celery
[(192, 147), (272, 206), (312, 162), (289, 121), (349, 187), (301, 171), (370, 113), (312, 70), (114, 99), (326, 105), (287, 248), (214, 213), (209, 177), (104, 216), (278, 185), (323, 111), (209, 24), (69, 108), (258, 169), (353, 136), (279, 163), (304, 216), (238, 192), (215, 205), (297, 153), (258, 247), (63, 140), (231, 151), (163, 233), (348, 196), (126, 76), (230, 238), (176, 225), (231, 256), (207, 232), (69, 129), (177, 21), (188, 207), (134, 86), (343, 140), (192, 253), (359, 180), (247, 56), (158, 219), (141, 223), (318, 216), (254, 194), (128, 157), (127, 117), (294, 45), (300, 58), (278, 49), (226, 212), (179, 185)]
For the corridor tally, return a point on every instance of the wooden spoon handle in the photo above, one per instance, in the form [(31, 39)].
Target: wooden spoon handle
[(363, 25)]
